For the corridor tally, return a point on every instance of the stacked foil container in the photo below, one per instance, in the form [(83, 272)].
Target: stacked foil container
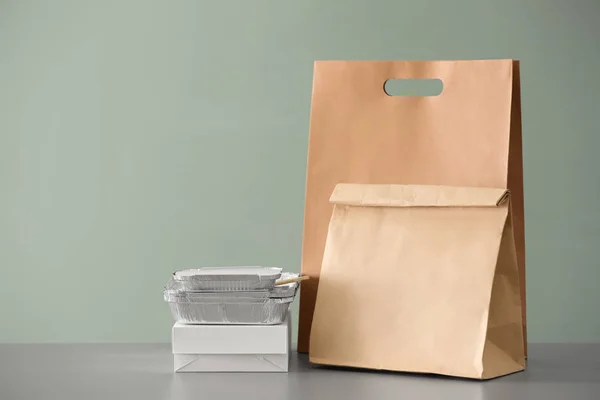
[(244, 295)]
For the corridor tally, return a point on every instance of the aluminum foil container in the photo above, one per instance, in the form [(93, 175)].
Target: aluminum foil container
[(227, 278), (175, 288), (269, 311), (212, 297)]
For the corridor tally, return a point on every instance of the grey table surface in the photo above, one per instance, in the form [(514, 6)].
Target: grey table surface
[(144, 371)]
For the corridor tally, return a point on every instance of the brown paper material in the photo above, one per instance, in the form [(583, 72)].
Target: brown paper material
[(469, 135), (420, 279)]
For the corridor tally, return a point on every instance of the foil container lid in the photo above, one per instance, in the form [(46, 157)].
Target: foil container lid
[(227, 274)]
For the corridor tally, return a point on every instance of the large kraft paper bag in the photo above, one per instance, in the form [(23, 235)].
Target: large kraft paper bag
[(420, 279), (469, 135)]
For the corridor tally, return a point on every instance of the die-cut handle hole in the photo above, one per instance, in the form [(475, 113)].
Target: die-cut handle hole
[(413, 87)]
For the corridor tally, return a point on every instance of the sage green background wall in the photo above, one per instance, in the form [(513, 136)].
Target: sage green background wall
[(137, 137)]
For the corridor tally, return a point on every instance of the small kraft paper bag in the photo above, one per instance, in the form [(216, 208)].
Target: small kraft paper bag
[(468, 135), (420, 279)]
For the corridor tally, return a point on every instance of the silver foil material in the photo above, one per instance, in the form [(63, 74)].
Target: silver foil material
[(224, 303), (227, 278), (175, 287), (288, 290), (269, 311), (212, 297)]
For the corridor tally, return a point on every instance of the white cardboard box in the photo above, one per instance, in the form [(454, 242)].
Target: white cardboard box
[(231, 348)]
